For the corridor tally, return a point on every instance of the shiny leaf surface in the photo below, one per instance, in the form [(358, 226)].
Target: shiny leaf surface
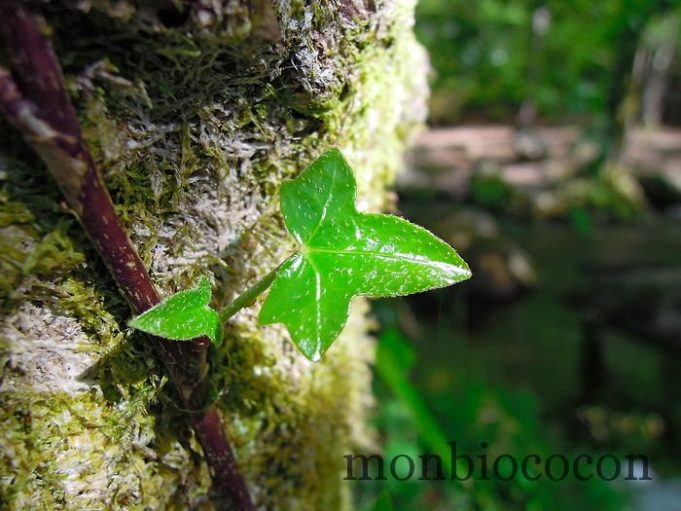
[(182, 316), (344, 253)]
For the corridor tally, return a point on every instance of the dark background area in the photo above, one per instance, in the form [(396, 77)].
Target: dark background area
[(553, 164)]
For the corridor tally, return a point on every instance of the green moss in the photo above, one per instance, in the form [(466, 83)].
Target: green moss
[(54, 254), (195, 135), (12, 258), (60, 447)]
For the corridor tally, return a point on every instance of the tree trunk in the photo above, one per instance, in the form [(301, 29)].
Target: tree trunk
[(196, 113)]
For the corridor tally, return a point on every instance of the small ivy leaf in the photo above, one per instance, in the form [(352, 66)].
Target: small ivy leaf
[(344, 253), (182, 316)]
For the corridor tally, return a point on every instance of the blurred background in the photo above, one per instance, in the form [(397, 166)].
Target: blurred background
[(553, 164)]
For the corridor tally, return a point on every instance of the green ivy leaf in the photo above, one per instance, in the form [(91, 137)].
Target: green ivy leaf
[(182, 316), (344, 253)]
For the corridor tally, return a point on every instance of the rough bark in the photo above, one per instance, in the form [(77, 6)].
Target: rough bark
[(196, 113)]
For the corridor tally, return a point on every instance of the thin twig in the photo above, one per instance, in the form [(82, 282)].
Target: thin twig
[(34, 100)]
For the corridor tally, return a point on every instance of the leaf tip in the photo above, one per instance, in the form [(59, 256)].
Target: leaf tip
[(334, 151), (466, 270), (204, 283), (315, 355), (134, 322)]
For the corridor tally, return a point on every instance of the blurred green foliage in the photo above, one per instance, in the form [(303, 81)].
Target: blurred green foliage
[(472, 412), (384, 503), (519, 375), (569, 59)]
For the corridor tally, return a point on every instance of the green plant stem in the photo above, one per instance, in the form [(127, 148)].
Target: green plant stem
[(247, 298)]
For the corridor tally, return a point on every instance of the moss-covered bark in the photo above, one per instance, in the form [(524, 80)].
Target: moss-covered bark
[(197, 114)]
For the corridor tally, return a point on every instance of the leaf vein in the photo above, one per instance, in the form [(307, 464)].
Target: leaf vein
[(325, 207), (318, 299), (391, 257)]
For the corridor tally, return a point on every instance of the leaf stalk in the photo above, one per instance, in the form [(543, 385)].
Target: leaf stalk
[(248, 297)]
